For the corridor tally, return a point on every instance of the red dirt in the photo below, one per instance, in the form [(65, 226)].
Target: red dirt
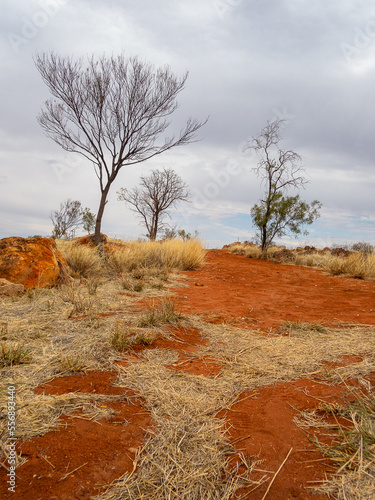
[(228, 288), (260, 294)]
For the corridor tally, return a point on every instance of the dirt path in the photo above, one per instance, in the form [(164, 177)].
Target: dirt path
[(260, 294), (82, 455)]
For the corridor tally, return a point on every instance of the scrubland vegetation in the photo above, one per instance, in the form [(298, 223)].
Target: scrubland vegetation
[(356, 262), (126, 256)]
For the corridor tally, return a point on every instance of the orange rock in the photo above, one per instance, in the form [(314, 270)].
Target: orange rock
[(89, 239), (32, 262)]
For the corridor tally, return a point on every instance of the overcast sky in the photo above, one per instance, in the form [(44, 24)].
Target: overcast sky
[(311, 63)]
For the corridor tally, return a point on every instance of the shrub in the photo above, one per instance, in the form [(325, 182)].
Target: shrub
[(358, 266), (84, 261)]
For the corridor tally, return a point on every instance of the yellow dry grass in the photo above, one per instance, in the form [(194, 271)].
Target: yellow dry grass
[(125, 256), (359, 265)]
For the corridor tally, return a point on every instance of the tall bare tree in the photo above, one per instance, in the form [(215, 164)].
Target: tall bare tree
[(113, 111), (280, 170), (157, 194)]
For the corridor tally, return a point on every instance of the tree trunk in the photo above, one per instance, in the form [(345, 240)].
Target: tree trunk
[(98, 225), (264, 239)]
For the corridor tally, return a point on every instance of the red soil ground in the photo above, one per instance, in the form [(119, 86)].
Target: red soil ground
[(81, 457)]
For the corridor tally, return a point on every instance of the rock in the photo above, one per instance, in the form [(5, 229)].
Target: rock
[(11, 289), (284, 255), (33, 262), (340, 252), (89, 239)]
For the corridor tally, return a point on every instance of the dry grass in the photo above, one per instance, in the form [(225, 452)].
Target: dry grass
[(351, 431), (163, 313), (251, 360), (38, 329), (13, 354), (359, 264), (186, 456), (126, 256), (168, 254), (188, 452), (84, 261)]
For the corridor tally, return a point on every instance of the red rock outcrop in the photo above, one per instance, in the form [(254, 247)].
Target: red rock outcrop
[(33, 262), (89, 239)]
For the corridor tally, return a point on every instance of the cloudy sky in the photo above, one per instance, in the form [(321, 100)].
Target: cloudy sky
[(311, 63)]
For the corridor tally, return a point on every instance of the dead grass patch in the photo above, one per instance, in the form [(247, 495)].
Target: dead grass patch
[(351, 431), (358, 265), (252, 360), (13, 354), (187, 456)]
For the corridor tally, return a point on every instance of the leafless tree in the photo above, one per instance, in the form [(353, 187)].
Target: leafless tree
[(158, 192), (280, 170), (67, 219), (114, 111)]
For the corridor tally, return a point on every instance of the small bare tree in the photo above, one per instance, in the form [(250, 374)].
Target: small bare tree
[(280, 170), (67, 219), (158, 193), (113, 111)]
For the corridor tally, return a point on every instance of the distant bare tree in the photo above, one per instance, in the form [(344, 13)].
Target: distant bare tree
[(113, 111), (158, 192), (280, 170), (67, 219)]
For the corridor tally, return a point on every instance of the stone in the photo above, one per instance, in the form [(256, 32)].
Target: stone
[(33, 262), (89, 240), (11, 289)]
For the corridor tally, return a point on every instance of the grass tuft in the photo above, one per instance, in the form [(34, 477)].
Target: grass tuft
[(161, 314), (13, 354)]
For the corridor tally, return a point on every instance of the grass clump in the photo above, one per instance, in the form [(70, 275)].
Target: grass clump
[(357, 265), (143, 339), (299, 327), (127, 256), (132, 285), (165, 312), (84, 261), (72, 364), (121, 336), (124, 337), (171, 254), (13, 354)]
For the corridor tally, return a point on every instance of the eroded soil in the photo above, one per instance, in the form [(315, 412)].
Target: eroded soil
[(83, 456)]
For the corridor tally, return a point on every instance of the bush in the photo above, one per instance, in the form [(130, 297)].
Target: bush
[(358, 265)]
